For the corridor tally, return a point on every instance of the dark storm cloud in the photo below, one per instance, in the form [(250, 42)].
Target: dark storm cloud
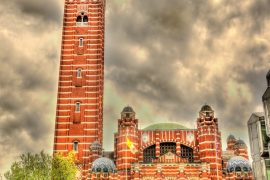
[(22, 110), (48, 10), (29, 60), (259, 13), (167, 33)]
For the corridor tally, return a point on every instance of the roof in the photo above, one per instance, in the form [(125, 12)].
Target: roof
[(128, 109), (96, 146), (238, 163), (103, 164), (266, 94), (256, 116), (230, 137), (240, 143), (165, 126), (259, 114), (206, 108)]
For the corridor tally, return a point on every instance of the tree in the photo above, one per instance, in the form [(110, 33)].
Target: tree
[(43, 167), (64, 168)]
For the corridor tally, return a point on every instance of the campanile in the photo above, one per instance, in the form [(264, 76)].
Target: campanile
[(79, 112)]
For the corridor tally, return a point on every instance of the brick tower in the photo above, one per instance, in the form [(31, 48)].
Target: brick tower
[(231, 142), (79, 112), (209, 139), (127, 131)]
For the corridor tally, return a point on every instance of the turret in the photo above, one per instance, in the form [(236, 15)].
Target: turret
[(95, 150), (231, 142), (241, 149), (209, 139), (126, 142)]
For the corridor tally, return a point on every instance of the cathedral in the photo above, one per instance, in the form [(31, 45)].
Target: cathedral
[(171, 151), (161, 151)]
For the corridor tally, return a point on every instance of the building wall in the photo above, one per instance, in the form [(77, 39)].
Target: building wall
[(259, 136), (259, 146), (205, 143), (81, 79)]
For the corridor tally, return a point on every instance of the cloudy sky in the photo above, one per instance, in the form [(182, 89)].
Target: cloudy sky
[(165, 58)]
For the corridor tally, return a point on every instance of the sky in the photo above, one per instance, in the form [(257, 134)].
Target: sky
[(164, 58)]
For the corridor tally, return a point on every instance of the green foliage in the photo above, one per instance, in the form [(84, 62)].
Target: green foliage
[(64, 168), (31, 167), (43, 167)]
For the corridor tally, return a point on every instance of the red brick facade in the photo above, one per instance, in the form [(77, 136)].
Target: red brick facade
[(79, 113), (169, 153)]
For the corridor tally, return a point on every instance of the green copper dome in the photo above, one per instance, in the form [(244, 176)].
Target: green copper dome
[(165, 126)]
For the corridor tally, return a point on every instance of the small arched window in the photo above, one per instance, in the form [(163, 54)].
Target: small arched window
[(75, 146), (78, 107), (79, 19), (238, 168), (79, 73), (81, 42), (82, 19), (85, 18)]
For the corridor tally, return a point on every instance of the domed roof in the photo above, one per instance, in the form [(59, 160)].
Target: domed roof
[(103, 164), (206, 108), (165, 126), (95, 145), (238, 163), (241, 143), (127, 109), (230, 137)]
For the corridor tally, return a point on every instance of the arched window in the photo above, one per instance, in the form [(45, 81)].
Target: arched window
[(79, 73), (78, 107), (75, 146), (79, 19), (149, 154), (238, 168), (85, 18), (82, 19), (81, 42), (245, 169)]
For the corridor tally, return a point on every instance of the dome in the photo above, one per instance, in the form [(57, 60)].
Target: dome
[(206, 108), (95, 146), (240, 143), (127, 109), (230, 137), (103, 164), (165, 126), (238, 163)]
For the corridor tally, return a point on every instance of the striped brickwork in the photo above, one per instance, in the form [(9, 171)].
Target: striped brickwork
[(210, 149), (125, 157), (239, 175), (175, 171), (79, 110)]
